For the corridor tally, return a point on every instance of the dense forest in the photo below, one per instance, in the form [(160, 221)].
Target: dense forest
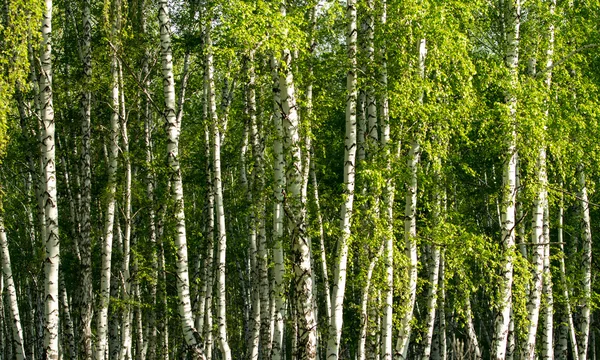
[(299, 179)]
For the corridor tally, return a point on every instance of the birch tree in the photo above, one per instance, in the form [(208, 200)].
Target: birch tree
[(15, 319), (221, 303), (50, 197), (339, 280), (512, 25), (107, 246), (410, 227), (173, 126), (86, 189)]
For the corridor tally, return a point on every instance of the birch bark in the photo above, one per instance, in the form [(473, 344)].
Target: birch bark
[(388, 200), (208, 320), (173, 127), (295, 205), (339, 281), (537, 239), (219, 209), (15, 319), (68, 327), (126, 328), (107, 246), (364, 302), (548, 306), (548, 310), (566, 294), (50, 197), (279, 179), (410, 228), (502, 320), (586, 281)]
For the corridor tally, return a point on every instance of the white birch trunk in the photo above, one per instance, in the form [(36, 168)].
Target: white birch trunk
[(296, 207), (548, 310), (3, 338), (323, 254), (219, 208), (364, 302), (114, 323), (107, 246), (572, 335), (255, 317), (471, 333), (339, 280), (537, 239), (586, 281), (262, 260), (431, 301), (511, 341), (173, 127), (548, 307), (279, 179), (502, 317), (209, 263), (442, 308), (68, 327), (50, 197), (388, 202), (126, 328), (372, 136), (410, 230), (15, 318)]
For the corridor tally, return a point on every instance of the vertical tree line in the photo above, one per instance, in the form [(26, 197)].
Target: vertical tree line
[(370, 179)]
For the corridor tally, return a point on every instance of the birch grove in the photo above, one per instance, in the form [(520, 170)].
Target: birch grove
[(365, 179)]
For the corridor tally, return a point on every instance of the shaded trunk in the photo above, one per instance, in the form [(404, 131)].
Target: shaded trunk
[(221, 304), (15, 318), (586, 280), (339, 280)]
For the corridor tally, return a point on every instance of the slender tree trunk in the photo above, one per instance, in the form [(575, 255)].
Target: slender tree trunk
[(502, 319), (256, 127), (251, 218), (339, 281), (471, 333), (126, 330), (279, 180), (511, 342), (569, 323), (254, 338), (219, 209), (323, 254), (173, 126), (442, 308), (208, 322), (537, 239), (548, 307), (3, 337), (68, 327), (50, 198), (388, 201), (432, 295), (107, 246), (163, 327), (115, 314), (410, 230), (586, 282), (295, 205), (364, 303), (15, 318)]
